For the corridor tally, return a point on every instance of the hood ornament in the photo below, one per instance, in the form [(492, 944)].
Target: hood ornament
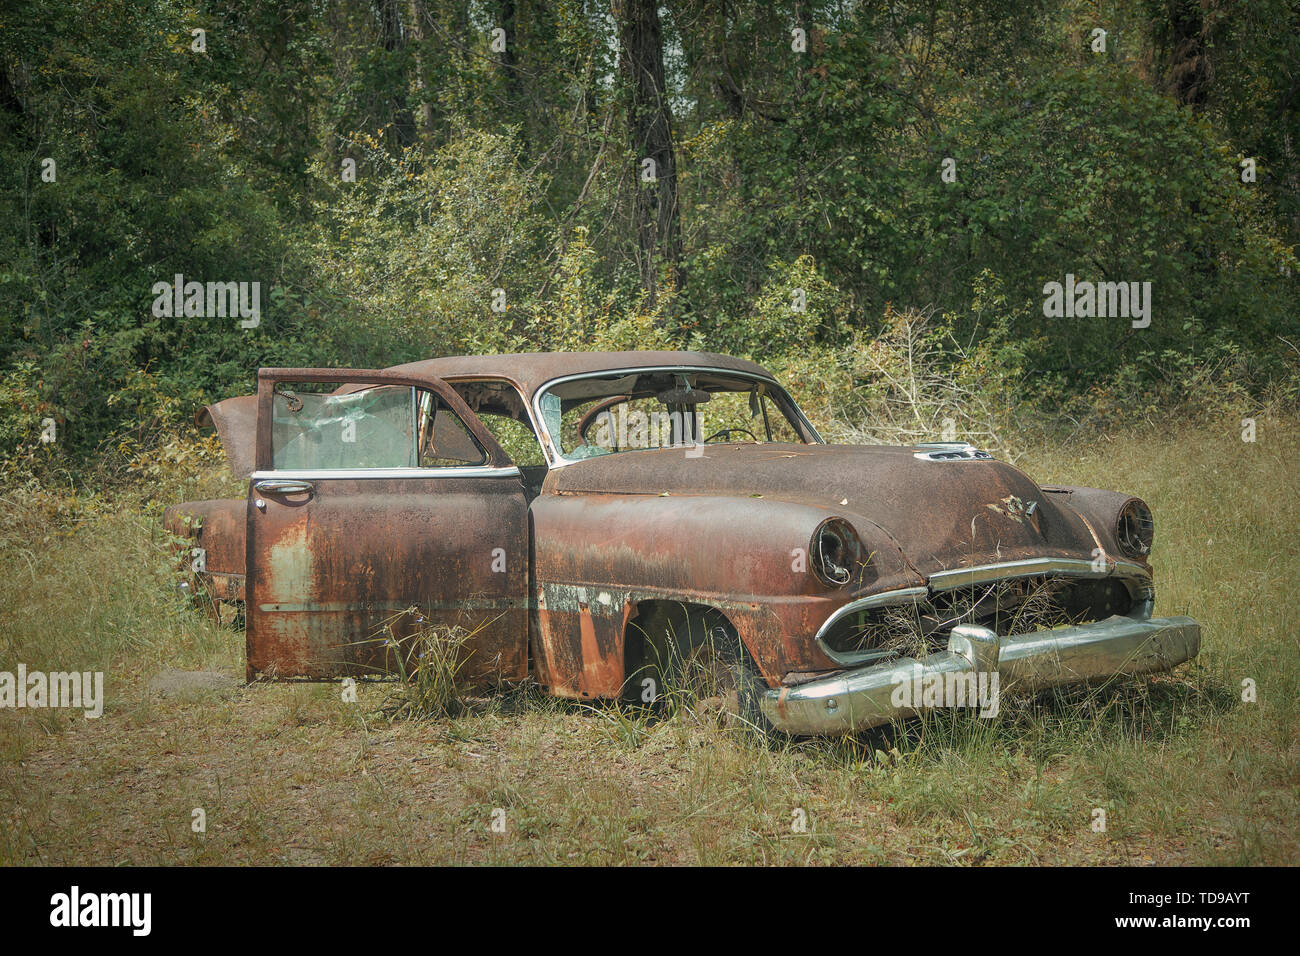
[(1015, 508), (949, 451)]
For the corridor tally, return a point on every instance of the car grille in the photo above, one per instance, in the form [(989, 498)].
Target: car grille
[(1011, 606)]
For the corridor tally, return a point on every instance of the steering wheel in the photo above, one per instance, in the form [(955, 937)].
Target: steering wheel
[(593, 413), (726, 434)]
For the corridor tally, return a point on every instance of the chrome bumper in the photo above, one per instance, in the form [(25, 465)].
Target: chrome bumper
[(868, 696)]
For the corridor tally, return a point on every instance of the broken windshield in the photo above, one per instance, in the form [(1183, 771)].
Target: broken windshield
[(629, 411)]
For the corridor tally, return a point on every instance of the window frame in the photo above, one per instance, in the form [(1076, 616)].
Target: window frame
[(557, 460), (495, 462)]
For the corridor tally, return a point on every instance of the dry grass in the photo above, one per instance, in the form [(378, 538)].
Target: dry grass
[(1188, 773)]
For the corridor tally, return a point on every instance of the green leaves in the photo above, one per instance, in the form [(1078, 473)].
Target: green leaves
[(813, 173)]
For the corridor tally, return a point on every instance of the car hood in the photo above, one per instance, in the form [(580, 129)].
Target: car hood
[(942, 514)]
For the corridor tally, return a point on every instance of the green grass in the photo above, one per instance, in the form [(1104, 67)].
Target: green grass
[(1186, 771)]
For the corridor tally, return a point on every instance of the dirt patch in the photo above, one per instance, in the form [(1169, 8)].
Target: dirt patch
[(187, 685)]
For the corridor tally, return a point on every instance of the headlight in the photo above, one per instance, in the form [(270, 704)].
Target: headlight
[(836, 551), (1135, 529)]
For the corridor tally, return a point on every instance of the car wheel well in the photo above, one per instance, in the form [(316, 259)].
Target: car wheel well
[(662, 647), (647, 630)]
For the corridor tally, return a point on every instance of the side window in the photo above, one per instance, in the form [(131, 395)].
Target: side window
[(445, 442), (515, 437), (500, 407), (372, 428)]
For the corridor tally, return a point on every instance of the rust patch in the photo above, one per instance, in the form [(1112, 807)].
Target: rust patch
[(600, 671)]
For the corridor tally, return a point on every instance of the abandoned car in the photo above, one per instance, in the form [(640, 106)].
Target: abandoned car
[(601, 521)]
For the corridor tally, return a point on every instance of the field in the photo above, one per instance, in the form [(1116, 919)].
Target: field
[(1186, 771)]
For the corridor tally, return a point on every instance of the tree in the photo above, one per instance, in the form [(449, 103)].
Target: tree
[(650, 132)]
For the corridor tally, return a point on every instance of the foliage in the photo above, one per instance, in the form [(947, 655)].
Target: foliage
[(925, 158)]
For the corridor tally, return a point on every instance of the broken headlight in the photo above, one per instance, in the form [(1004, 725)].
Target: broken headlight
[(836, 551), (1135, 528)]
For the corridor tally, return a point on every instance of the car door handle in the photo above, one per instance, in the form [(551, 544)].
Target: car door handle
[(284, 487)]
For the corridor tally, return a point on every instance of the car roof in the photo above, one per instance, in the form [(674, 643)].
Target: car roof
[(236, 418), (530, 370)]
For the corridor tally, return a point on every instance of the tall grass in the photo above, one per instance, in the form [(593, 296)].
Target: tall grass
[(428, 665), (1186, 770)]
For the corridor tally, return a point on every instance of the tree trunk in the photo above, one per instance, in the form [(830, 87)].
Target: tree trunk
[(649, 123), (1187, 34), (394, 41), (508, 60), (423, 114)]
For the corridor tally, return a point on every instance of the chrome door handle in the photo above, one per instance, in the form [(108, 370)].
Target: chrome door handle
[(284, 487)]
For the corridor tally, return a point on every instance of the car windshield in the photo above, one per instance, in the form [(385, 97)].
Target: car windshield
[(630, 411)]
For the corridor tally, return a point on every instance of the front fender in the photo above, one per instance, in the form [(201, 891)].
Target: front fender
[(597, 556)]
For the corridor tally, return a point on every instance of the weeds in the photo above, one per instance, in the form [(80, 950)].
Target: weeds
[(1187, 771), (428, 664)]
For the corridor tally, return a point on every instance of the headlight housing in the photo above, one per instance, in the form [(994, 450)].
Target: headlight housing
[(1135, 528), (835, 552)]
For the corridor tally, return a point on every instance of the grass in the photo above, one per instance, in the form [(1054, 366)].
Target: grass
[(1186, 772)]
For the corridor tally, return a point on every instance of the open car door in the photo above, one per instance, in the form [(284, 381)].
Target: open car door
[(378, 511)]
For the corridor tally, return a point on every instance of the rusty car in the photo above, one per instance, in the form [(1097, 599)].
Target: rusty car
[(597, 521)]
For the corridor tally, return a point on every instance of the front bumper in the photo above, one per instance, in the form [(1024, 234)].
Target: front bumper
[(1024, 663)]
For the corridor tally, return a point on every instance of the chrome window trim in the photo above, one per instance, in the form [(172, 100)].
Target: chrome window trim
[(556, 460), (316, 474), (1135, 577)]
